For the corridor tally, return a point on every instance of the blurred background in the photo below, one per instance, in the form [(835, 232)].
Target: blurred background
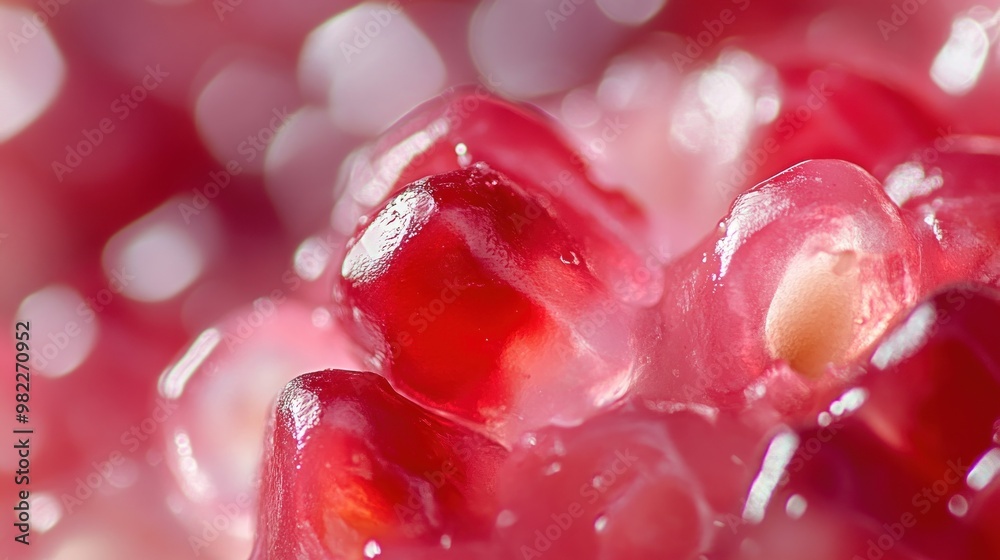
[(171, 170)]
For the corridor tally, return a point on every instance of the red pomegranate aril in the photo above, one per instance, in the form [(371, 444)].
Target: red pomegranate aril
[(220, 393), (466, 126), (474, 298), (944, 356), (351, 465), (984, 507), (614, 487), (833, 113), (950, 192), (808, 268), (630, 483), (897, 451)]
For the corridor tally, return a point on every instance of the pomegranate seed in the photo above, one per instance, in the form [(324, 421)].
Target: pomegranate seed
[(469, 125), (351, 466), (631, 483), (948, 190), (808, 268), (891, 461), (475, 298)]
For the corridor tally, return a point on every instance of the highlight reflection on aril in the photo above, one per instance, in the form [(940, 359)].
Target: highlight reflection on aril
[(506, 279)]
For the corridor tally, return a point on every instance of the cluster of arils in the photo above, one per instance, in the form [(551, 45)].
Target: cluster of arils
[(670, 280), (809, 373)]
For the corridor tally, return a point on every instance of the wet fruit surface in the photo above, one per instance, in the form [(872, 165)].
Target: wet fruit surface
[(808, 268), (900, 424), (458, 247), (685, 279), (341, 478)]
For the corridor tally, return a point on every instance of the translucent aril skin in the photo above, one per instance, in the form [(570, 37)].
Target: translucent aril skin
[(351, 466), (227, 379), (828, 112), (807, 269), (475, 298), (899, 459), (627, 484), (949, 191), (469, 125)]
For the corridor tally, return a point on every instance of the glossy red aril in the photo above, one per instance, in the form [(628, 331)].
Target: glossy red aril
[(352, 466), (984, 508), (832, 113), (935, 393), (474, 297), (950, 191), (627, 484), (906, 450), (466, 126), (808, 268)]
